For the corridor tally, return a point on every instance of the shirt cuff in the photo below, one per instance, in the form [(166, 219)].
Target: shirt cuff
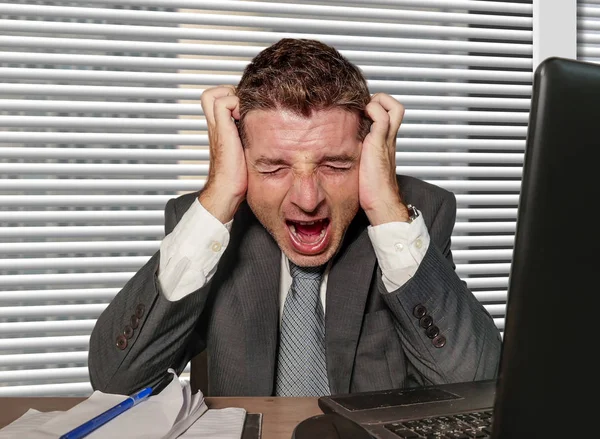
[(400, 247), (190, 253)]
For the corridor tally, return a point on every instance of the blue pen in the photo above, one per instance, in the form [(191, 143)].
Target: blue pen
[(91, 425)]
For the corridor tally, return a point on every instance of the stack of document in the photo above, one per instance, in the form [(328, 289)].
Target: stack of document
[(173, 413)]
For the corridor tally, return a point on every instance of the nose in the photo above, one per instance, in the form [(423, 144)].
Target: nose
[(306, 193)]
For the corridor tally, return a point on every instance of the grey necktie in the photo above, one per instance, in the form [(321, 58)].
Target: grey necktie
[(301, 364)]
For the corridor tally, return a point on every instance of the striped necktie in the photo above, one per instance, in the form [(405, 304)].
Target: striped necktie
[(301, 363)]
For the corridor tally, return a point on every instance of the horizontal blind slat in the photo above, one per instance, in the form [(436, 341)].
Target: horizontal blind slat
[(63, 310), (482, 241), (193, 94), (479, 269), (342, 41), (194, 109), (80, 123), (62, 389), (63, 247), (275, 23), (101, 168), (105, 153), (48, 216), (482, 255), (48, 374), (81, 185), (390, 86), (371, 12), (64, 295), (53, 326), (488, 213), (81, 263), (154, 201), (390, 72), (62, 342), (487, 282), (491, 296), (224, 50), (65, 279), (474, 5), (42, 359)]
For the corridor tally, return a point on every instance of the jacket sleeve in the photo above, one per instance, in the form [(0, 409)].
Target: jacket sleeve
[(446, 334), (141, 334)]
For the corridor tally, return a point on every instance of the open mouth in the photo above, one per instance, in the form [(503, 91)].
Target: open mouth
[(309, 237)]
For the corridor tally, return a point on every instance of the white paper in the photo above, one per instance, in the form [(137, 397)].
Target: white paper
[(163, 416), (227, 423), (21, 426)]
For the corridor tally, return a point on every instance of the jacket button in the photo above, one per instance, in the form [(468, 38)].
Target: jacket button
[(128, 332), (135, 321), (121, 342), (426, 322), (139, 310), (432, 331), (439, 341), (419, 311)]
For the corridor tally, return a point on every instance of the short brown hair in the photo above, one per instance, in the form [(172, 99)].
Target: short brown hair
[(302, 76)]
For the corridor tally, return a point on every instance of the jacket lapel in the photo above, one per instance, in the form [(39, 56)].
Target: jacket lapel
[(258, 295), (347, 290)]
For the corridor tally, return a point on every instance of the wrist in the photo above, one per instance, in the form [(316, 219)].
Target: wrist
[(220, 205), (387, 211)]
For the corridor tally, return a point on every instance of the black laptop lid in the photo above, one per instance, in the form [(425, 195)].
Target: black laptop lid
[(547, 375)]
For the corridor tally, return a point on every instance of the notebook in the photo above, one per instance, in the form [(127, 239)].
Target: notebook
[(546, 385)]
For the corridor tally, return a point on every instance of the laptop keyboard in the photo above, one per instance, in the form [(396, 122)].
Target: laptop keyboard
[(461, 426)]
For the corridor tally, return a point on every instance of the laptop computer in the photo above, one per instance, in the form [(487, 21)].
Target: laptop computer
[(547, 378)]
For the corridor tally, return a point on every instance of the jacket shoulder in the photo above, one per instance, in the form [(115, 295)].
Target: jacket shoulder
[(419, 192)]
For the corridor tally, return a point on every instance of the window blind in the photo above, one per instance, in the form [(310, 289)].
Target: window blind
[(588, 27), (101, 124)]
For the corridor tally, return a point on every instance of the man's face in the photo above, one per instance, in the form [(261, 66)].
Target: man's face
[(303, 179)]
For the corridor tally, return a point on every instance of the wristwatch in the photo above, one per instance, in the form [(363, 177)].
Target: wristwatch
[(413, 213)]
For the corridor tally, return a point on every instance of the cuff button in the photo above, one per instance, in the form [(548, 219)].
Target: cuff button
[(439, 341), (135, 321), (139, 310), (426, 321), (121, 342), (128, 332), (432, 331), (216, 246), (419, 311)]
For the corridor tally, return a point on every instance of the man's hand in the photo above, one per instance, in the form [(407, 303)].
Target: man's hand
[(378, 188), (227, 179)]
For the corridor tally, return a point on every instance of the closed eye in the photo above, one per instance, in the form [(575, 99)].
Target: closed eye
[(337, 168), (271, 171)]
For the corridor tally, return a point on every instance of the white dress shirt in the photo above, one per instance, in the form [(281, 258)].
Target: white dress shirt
[(190, 253)]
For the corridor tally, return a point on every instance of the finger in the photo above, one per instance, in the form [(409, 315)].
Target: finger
[(396, 113), (208, 98), (381, 122), (225, 108)]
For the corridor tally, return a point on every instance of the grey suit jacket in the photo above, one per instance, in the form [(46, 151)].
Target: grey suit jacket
[(374, 339)]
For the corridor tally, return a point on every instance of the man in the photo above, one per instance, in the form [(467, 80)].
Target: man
[(305, 266)]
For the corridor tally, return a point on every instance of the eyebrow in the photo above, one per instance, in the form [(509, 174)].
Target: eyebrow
[(339, 158), (267, 161)]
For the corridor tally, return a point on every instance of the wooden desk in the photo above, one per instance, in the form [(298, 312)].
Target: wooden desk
[(280, 415)]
